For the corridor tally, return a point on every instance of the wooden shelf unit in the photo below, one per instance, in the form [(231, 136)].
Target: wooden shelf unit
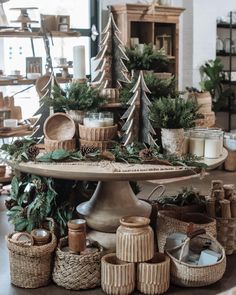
[(12, 82), (38, 34), (138, 20)]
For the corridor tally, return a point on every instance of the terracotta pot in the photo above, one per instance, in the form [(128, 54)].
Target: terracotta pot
[(172, 141), (97, 133), (118, 277), (153, 276), (134, 239)]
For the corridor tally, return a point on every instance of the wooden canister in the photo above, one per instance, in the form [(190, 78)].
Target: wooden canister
[(225, 209), (229, 190), (134, 239), (77, 235), (153, 276), (233, 206), (118, 277), (218, 194), (210, 207)]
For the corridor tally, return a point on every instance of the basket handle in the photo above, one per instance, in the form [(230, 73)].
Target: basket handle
[(190, 235), (161, 188)]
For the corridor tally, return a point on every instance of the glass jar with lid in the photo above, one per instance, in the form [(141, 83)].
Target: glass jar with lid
[(213, 144)]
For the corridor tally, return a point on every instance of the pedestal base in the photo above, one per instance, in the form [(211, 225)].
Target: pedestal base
[(111, 201)]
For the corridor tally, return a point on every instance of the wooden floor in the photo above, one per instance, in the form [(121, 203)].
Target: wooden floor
[(227, 282)]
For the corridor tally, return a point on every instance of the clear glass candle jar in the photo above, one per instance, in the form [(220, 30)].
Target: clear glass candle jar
[(213, 144), (196, 143), (97, 120)]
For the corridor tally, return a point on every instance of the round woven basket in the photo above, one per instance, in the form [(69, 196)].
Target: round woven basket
[(97, 133), (30, 266), (186, 275), (76, 272), (169, 222), (52, 145), (59, 126)]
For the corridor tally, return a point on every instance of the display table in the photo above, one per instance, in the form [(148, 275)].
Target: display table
[(113, 197)]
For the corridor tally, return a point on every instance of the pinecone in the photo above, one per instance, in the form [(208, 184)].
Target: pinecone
[(42, 188), (18, 143), (85, 149), (32, 152), (9, 203), (145, 154)]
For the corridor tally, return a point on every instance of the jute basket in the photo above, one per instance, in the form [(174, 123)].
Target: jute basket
[(169, 222), (226, 234), (76, 272), (97, 133), (186, 275), (30, 266)]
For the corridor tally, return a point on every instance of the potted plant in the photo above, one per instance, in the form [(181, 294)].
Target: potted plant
[(173, 115), (148, 59), (212, 78), (77, 99)]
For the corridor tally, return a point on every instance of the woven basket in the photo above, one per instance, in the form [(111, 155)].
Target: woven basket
[(169, 222), (183, 274), (226, 234), (30, 266), (76, 272), (97, 134)]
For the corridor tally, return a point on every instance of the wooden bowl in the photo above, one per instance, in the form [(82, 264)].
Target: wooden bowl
[(59, 126), (97, 133), (102, 145), (52, 145)]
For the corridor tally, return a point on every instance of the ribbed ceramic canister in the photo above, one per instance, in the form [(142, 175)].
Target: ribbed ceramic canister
[(134, 239), (118, 277), (153, 276)]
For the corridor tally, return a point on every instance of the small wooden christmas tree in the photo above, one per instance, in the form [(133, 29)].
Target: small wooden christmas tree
[(138, 127), (111, 69)]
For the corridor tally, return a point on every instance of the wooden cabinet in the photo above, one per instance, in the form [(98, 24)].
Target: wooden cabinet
[(150, 26)]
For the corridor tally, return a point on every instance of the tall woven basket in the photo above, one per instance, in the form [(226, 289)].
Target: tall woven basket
[(169, 222), (186, 275), (31, 266), (76, 272), (226, 234)]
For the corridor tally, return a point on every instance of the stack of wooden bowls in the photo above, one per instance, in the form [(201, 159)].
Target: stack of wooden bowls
[(97, 137), (59, 131)]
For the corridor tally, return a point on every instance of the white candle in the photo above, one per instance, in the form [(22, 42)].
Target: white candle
[(108, 122), (196, 146), (79, 62), (212, 148)]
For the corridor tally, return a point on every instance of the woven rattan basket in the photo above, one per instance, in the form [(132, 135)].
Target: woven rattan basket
[(76, 272), (226, 234), (186, 275), (169, 222), (30, 266), (97, 133)]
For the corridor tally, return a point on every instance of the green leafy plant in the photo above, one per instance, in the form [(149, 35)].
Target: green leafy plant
[(212, 78), (158, 87), (188, 196), (148, 59), (35, 198), (77, 96), (174, 113)]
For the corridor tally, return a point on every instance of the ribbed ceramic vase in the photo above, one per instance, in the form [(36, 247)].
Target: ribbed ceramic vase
[(153, 276), (118, 277), (134, 239)]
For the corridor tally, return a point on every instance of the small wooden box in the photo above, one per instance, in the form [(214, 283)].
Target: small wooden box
[(63, 23), (49, 21)]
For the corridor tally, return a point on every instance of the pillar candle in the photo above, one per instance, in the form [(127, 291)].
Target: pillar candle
[(212, 148), (196, 146), (79, 62)]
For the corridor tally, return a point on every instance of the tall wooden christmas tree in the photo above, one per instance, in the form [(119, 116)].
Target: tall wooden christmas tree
[(110, 69), (137, 127)]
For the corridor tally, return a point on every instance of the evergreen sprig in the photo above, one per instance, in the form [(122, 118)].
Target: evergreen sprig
[(174, 113)]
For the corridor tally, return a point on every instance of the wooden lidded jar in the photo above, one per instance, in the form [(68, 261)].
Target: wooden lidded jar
[(77, 235), (134, 239)]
